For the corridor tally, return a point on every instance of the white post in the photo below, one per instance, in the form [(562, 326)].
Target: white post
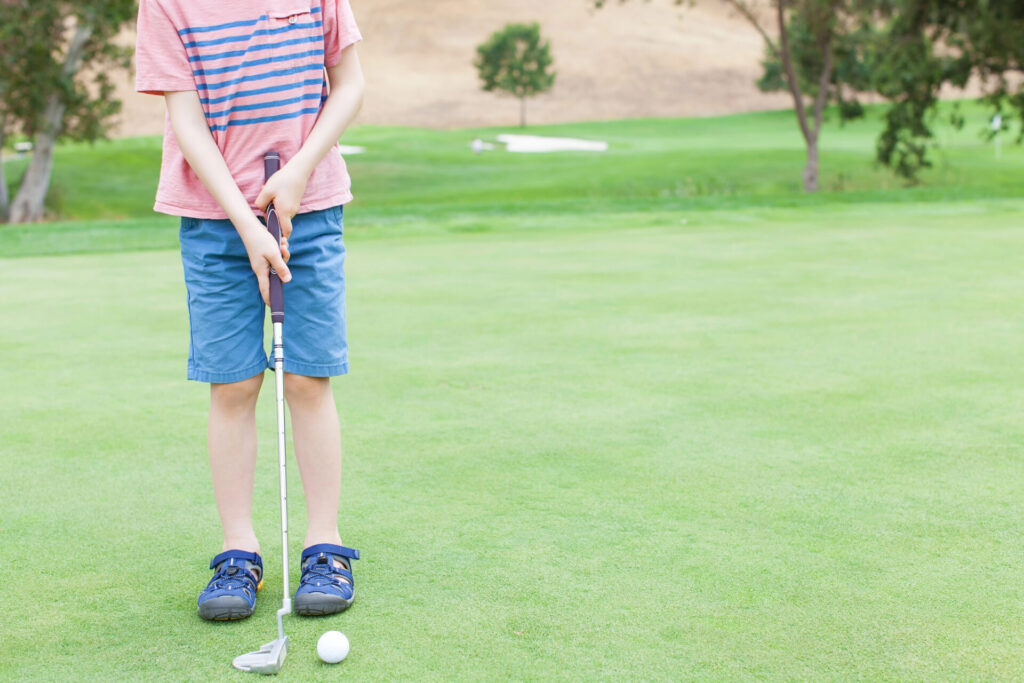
[(997, 126)]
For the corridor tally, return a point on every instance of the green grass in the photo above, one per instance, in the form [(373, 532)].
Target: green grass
[(737, 161), (615, 435)]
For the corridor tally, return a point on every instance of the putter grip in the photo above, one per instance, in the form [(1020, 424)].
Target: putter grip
[(272, 162)]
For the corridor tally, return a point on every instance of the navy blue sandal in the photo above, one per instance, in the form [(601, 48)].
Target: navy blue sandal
[(231, 593), (324, 587)]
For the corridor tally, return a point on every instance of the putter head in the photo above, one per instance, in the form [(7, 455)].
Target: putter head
[(267, 660)]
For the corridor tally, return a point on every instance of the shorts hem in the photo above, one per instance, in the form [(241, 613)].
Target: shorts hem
[(313, 369), (225, 377)]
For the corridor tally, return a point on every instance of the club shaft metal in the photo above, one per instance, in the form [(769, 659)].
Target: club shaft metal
[(286, 602)]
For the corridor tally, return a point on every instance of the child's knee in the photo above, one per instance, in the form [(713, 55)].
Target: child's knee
[(237, 394), (306, 390)]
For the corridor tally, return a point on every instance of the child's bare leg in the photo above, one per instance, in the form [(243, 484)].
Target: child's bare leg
[(317, 438), (232, 438)]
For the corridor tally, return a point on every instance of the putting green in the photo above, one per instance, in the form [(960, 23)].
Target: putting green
[(771, 443)]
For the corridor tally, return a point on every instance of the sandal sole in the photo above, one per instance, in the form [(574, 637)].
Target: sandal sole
[(320, 604), (225, 609)]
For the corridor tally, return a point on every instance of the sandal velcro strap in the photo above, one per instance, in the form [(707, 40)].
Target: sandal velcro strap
[(243, 555), (330, 549), (320, 575)]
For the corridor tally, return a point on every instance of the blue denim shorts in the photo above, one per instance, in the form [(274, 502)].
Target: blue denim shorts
[(226, 312)]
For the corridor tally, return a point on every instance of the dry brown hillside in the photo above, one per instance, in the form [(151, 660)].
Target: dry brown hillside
[(640, 59)]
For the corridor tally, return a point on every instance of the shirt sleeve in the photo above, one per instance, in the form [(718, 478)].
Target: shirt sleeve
[(340, 30), (161, 62)]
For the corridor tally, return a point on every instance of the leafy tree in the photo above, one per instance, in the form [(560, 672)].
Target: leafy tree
[(19, 98), (817, 57), (934, 42), (904, 50), (516, 61), (55, 62)]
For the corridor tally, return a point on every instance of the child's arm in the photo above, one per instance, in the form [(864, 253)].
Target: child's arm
[(286, 187), (197, 144)]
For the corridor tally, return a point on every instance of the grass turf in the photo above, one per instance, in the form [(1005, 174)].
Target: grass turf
[(616, 435), (749, 446), (429, 176)]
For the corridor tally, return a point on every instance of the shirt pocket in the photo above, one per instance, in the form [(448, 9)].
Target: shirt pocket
[(279, 18), (295, 32)]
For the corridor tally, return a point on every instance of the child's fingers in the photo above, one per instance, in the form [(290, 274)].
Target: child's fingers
[(284, 249), (277, 263), (264, 280), (286, 225)]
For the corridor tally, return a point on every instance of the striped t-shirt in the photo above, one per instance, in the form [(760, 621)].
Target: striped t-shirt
[(259, 72)]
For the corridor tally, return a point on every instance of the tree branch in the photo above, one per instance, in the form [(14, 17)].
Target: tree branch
[(823, 82), (748, 14), (76, 50), (787, 63)]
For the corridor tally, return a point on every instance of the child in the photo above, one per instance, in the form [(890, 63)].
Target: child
[(241, 79)]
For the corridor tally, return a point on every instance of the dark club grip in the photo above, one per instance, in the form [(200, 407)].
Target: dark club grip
[(271, 163)]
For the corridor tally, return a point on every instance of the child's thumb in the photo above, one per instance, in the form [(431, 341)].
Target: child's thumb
[(277, 261), (263, 199)]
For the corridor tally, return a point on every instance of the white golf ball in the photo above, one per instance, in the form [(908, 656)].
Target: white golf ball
[(332, 647)]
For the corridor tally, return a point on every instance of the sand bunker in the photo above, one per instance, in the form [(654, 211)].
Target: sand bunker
[(532, 144)]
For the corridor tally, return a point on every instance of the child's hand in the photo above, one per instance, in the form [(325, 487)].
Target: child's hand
[(264, 254), (285, 189)]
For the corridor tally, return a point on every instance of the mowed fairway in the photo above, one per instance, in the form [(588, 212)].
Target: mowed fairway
[(652, 415), (771, 444)]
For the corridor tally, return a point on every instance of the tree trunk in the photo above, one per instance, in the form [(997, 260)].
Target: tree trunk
[(522, 112), (811, 169), (790, 71), (810, 136), (810, 133), (28, 204), (824, 79)]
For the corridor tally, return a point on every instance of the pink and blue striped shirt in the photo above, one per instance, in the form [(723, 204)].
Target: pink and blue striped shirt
[(259, 72)]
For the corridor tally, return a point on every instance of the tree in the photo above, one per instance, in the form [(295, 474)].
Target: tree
[(816, 58), (904, 50), (934, 42), (56, 58), (19, 98), (815, 36), (516, 61)]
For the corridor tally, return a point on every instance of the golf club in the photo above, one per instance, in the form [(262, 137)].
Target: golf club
[(269, 658)]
